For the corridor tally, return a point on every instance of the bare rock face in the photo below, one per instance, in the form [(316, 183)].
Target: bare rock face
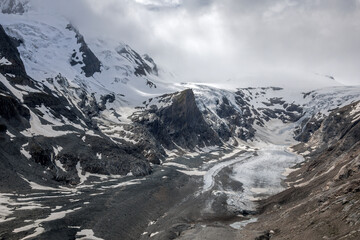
[(307, 128), (144, 65), (90, 63), (322, 201), (9, 51), (179, 123), (13, 113)]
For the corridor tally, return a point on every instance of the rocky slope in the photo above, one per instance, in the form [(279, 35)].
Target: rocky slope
[(322, 201), (46, 127)]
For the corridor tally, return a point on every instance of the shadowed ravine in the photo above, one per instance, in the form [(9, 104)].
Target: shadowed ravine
[(188, 197)]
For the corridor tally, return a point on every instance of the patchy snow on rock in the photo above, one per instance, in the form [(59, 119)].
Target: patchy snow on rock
[(154, 234), (12, 136), (355, 112), (5, 210), (48, 116), (82, 177), (193, 172), (37, 223), (10, 75), (124, 184), (37, 128), (288, 171), (60, 165), (24, 152), (175, 165), (36, 186), (57, 149), (86, 234), (4, 61), (240, 225), (17, 93)]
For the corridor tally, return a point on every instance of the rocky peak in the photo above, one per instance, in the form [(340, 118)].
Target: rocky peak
[(90, 64), (144, 65), (10, 54), (179, 122)]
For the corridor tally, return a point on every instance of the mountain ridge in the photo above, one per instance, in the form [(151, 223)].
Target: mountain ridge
[(82, 116)]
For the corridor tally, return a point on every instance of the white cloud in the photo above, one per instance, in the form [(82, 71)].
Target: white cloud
[(275, 41)]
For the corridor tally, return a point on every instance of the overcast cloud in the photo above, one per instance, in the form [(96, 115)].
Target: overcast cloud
[(243, 42)]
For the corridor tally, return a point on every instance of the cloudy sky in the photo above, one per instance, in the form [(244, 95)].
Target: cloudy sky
[(242, 42)]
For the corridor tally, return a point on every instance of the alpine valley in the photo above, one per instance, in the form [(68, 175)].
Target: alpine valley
[(99, 142)]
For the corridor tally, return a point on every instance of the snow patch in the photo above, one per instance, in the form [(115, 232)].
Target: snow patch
[(86, 234), (288, 171), (39, 129), (154, 234), (240, 225), (4, 61), (4, 209), (10, 134), (82, 177), (24, 152), (193, 172), (36, 186), (37, 223)]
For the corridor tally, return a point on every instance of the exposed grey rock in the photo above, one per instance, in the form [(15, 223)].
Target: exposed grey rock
[(10, 52), (56, 104), (142, 68), (89, 105), (181, 123), (154, 69), (307, 128), (90, 61), (13, 113)]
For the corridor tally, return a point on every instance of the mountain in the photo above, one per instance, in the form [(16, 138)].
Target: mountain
[(321, 202), (78, 112), (61, 91)]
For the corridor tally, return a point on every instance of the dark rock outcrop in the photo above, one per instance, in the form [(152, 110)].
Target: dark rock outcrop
[(13, 113), (142, 68), (307, 127), (179, 123), (91, 63), (9, 51), (154, 68), (56, 104)]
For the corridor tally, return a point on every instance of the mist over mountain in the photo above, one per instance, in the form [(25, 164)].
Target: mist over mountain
[(179, 119), (273, 43)]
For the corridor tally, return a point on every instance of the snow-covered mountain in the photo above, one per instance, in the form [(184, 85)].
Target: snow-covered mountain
[(60, 87), (74, 107)]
